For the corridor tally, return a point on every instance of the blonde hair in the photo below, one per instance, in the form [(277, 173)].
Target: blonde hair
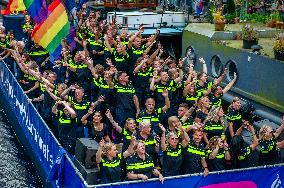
[(127, 122), (136, 144), (214, 113), (263, 132), (213, 142), (234, 100), (170, 134), (143, 124), (172, 119), (106, 148)]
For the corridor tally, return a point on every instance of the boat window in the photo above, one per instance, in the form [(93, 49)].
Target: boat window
[(124, 20), (192, 56), (232, 68), (216, 66)]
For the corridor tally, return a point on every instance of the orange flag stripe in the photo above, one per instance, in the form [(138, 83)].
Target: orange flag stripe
[(46, 25)]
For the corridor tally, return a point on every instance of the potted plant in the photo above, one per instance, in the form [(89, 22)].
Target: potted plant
[(278, 47), (249, 36), (219, 20)]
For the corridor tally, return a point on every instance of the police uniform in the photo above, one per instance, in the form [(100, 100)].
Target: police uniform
[(192, 156), (213, 129), (244, 157), (126, 135), (159, 99), (268, 153), (139, 166), (235, 117), (134, 54), (150, 146), (219, 162), (172, 161), (215, 101), (125, 107), (66, 131), (94, 45), (121, 61), (111, 170), (199, 114), (188, 123), (38, 54), (80, 109), (190, 99), (153, 118), (142, 84), (202, 89)]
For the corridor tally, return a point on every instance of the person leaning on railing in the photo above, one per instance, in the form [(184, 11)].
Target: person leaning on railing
[(269, 146), (110, 160), (172, 151), (239, 151), (141, 166)]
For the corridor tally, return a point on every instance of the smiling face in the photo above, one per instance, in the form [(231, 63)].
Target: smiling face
[(79, 93), (131, 125), (173, 139), (197, 136), (164, 76), (113, 151), (97, 117), (150, 105), (237, 105), (140, 148)]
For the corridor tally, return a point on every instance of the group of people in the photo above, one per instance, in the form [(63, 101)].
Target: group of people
[(121, 89)]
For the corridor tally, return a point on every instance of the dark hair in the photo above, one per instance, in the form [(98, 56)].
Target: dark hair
[(237, 143), (185, 105)]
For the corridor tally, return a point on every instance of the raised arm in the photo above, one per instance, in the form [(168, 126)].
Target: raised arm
[(114, 124), (163, 138), (167, 100), (220, 78), (230, 85), (107, 44), (204, 67), (279, 129)]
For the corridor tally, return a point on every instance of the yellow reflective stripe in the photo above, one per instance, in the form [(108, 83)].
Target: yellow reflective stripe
[(80, 106), (174, 154), (126, 134), (150, 142), (196, 151), (214, 127), (137, 166), (82, 66), (38, 53), (124, 90), (64, 121), (191, 98), (236, 117), (112, 164), (220, 156), (243, 156)]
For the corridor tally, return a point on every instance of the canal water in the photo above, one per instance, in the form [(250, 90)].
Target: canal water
[(16, 170)]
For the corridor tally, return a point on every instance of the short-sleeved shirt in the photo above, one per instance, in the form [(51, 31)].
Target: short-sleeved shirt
[(268, 153), (192, 156), (66, 126), (111, 170), (235, 117), (139, 166), (200, 115), (124, 96), (150, 145), (153, 118), (172, 161), (244, 157), (219, 162), (213, 129), (202, 89), (97, 135), (215, 101)]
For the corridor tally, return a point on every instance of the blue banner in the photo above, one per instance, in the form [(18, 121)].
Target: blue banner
[(60, 170), (43, 143), (269, 177)]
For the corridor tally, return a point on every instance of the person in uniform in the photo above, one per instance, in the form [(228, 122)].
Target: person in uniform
[(171, 146), (269, 146), (141, 165), (66, 120), (110, 161), (218, 154), (240, 153)]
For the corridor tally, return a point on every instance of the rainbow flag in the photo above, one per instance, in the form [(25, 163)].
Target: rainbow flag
[(56, 27), (14, 6), (37, 9)]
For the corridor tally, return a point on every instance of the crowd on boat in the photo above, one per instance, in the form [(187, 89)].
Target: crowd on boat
[(151, 114)]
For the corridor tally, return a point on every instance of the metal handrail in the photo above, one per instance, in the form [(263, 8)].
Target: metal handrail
[(185, 176)]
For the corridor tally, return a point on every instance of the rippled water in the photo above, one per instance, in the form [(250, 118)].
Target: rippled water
[(16, 170)]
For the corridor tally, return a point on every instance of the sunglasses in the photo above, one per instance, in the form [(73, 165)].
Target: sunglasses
[(174, 138)]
